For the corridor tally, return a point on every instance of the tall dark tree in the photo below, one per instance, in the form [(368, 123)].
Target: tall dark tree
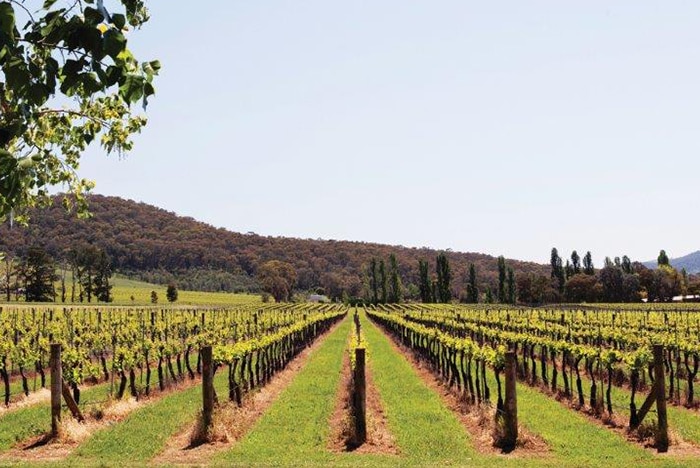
[(425, 288), (489, 295), (444, 279), (373, 281), (39, 274), (383, 283), (588, 267), (558, 273), (627, 265), (502, 294), (576, 262), (103, 272), (568, 270), (512, 291), (663, 259), (171, 293), (395, 287), (472, 287)]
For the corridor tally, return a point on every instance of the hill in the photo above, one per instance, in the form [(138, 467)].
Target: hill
[(158, 246), (690, 262)]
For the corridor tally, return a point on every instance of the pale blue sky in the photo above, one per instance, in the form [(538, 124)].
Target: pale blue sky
[(503, 127)]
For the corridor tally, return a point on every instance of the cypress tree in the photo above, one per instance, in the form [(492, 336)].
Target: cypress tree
[(663, 259)]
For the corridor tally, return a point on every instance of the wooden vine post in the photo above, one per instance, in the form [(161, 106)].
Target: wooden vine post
[(56, 388), (360, 397), (207, 388), (60, 389), (658, 396), (660, 381), (510, 417)]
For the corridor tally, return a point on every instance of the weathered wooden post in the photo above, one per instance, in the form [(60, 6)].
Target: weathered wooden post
[(660, 383), (207, 389), (360, 397), (510, 418), (56, 387)]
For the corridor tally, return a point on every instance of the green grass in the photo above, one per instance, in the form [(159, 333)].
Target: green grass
[(142, 434), (426, 430), (124, 289), (294, 431), (21, 424), (572, 438), (684, 421)]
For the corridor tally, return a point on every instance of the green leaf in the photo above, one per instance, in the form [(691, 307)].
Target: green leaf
[(132, 88), (119, 21), (92, 16), (114, 43), (7, 21)]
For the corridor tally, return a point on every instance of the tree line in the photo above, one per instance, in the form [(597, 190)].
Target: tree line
[(82, 275)]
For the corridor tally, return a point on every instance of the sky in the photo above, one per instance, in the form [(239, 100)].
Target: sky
[(501, 127)]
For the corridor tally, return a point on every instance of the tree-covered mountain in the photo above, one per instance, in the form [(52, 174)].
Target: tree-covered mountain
[(153, 244), (690, 262)]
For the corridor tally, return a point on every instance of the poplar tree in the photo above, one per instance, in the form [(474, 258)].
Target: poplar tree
[(444, 278), (575, 262), (588, 267), (373, 281), (395, 287), (424, 282), (382, 282), (472, 288), (557, 269), (501, 280), (512, 299)]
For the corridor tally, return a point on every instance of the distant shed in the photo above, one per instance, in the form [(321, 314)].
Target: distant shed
[(318, 298)]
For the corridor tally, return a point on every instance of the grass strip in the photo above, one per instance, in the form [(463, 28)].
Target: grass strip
[(295, 430), (34, 420), (426, 430), (143, 433)]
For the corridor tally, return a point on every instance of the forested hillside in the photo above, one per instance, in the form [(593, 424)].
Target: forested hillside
[(150, 243)]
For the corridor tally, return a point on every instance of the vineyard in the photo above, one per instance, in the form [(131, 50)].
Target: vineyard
[(411, 384)]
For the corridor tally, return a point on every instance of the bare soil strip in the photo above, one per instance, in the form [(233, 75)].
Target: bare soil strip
[(73, 433), (380, 440), (478, 420), (231, 422)]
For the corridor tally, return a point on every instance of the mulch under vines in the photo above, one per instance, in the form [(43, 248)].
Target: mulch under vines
[(43, 448), (380, 439)]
